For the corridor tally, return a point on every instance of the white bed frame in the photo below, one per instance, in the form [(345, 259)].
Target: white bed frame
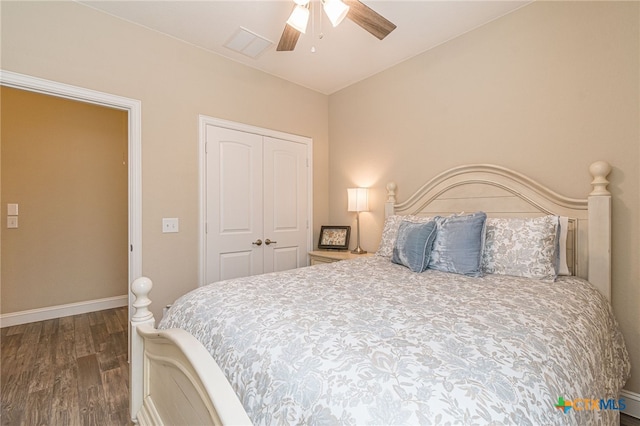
[(174, 380)]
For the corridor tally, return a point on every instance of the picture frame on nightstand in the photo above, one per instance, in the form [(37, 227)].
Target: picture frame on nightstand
[(334, 237)]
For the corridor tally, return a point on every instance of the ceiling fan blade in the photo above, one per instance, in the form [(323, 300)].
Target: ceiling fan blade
[(369, 19), (288, 39)]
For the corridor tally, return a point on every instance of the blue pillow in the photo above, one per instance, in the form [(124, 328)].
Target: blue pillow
[(459, 244), (413, 245)]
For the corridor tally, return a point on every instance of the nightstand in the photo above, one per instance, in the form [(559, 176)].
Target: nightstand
[(329, 256)]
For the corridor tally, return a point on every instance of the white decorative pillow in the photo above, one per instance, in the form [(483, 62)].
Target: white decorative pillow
[(390, 232), (562, 267), (523, 247)]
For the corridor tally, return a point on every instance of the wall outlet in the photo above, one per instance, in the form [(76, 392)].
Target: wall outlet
[(12, 221), (169, 224)]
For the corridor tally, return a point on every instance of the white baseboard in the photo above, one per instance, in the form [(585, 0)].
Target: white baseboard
[(59, 311), (632, 401)]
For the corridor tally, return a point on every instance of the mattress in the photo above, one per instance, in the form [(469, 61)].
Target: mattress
[(367, 341)]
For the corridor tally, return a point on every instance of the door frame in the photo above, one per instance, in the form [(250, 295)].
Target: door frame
[(134, 109), (203, 122)]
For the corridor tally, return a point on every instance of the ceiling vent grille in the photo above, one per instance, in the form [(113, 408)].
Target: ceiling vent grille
[(248, 43)]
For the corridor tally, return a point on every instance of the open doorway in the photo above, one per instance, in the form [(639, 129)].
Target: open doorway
[(64, 180), (133, 163)]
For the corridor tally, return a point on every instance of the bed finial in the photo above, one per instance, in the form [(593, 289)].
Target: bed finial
[(600, 170), (389, 205), (141, 288), (391, 192), (141, 318)]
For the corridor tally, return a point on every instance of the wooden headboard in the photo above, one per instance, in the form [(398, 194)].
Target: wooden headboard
[(501, 192)]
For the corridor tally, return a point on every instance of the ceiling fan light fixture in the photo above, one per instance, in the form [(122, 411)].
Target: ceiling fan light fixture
[(336, 11), (299, 18)]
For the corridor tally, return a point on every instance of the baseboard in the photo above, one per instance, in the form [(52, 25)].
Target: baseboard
[(59, 311), (632, 401)]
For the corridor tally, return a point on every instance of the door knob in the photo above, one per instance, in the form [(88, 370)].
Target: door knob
[(258, 242), (268, 241)]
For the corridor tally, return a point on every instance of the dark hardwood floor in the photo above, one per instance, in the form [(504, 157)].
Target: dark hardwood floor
[(66, 371), (73, 371), (628, 420)]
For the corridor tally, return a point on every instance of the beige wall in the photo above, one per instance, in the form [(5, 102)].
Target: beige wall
[(546, 91), (70, 43), (63, 164)]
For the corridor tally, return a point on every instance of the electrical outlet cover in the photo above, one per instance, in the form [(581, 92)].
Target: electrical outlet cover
[(12, 221), (169, 224)]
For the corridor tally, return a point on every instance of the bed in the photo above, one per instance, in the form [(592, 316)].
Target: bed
[(463, 337)]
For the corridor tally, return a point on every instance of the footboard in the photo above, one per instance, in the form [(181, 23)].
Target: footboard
[(173, 379)]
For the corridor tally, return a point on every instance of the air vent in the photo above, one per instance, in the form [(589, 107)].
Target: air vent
[(248, 43)]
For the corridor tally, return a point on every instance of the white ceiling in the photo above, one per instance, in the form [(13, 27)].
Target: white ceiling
[(343, 55)]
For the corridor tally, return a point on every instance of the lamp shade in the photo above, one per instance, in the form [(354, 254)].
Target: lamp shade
[(299, 18), (358, 199), (336, 11)]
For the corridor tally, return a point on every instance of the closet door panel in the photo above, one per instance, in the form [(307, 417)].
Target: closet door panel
[(285, 204), (234, 204)]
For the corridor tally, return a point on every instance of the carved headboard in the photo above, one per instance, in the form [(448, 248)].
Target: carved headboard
[(501, 192)]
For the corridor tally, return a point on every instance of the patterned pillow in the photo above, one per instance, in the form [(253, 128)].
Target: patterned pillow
[(390, 232), (413, 245), (523, 247), (562, 267), (459, 244)]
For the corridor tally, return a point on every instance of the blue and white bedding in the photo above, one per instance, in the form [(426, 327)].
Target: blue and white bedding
[(368, 341)]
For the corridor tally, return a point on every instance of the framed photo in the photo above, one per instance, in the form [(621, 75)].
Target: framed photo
[(334, 237)]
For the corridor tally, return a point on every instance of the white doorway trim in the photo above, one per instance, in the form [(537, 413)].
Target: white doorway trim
[(203, 121), (133, 107)]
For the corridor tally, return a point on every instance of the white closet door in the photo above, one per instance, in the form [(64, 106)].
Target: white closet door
[(285, 204), (233, 204)]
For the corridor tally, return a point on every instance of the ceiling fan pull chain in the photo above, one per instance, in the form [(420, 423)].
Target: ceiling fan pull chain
[(313, 26)]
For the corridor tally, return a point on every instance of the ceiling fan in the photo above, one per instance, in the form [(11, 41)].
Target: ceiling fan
[(336, 11)]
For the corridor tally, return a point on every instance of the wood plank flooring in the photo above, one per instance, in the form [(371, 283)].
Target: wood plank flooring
[(66, 371), (628, 420), (73, 371)]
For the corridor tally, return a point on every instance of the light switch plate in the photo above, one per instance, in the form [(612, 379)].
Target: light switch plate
[(169, 224), (12, 221), (12, 210)]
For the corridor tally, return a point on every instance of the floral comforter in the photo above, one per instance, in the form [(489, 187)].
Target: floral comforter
[(370, 342)]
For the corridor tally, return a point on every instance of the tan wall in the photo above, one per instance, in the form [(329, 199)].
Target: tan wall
[(62, 163), (70, 43), (546, 91)]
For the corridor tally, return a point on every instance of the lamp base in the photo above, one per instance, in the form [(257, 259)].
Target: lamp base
[(358, 250)]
